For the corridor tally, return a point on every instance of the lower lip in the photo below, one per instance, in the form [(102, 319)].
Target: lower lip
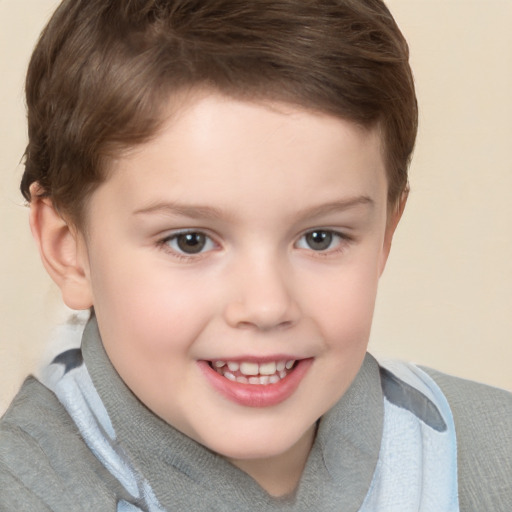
[(257, 395)]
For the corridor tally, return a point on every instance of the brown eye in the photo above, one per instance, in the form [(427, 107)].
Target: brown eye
[(190, 243), (319, 240)]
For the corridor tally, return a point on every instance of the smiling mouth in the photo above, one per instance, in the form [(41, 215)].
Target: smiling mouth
[(248, 372)]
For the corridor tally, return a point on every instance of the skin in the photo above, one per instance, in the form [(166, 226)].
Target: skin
[(255, 178)]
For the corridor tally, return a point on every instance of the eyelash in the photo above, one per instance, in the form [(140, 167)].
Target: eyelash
[(341, 241), (164, 243)]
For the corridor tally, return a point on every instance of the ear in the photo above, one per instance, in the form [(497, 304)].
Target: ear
[(394, 216), (62, 251)]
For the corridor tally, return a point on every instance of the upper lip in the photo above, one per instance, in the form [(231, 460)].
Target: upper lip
[(257, 359)]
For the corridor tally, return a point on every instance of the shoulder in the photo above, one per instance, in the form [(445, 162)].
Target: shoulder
[(482, 413), (483, 423), (44, 464)]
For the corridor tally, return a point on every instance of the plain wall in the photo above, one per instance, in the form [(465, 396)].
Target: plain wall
[(446, 296)]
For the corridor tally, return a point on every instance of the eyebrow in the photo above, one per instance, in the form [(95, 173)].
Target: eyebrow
[(337, 206), (210, 212), (192, 211)]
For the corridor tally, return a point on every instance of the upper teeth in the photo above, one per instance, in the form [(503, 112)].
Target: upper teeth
[(249, 368)]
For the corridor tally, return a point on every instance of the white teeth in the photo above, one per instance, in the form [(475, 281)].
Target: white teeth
[(233, 366), (269, 372), (268, 368), (249, 368)]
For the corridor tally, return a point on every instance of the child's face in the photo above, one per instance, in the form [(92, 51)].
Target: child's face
[(249, 233)]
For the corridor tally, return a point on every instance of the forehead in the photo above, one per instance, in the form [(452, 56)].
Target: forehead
[(213, 148)]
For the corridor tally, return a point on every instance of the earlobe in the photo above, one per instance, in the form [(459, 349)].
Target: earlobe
[(61, 250), (394, 216)]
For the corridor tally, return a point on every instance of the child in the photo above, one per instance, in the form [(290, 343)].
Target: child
[(219, 183)]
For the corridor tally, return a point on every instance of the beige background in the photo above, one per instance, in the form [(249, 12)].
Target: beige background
[(446, 297)]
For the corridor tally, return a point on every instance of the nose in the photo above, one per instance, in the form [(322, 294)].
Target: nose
[(262, 297)]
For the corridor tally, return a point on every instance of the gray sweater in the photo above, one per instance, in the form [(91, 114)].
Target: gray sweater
[(46, 466)]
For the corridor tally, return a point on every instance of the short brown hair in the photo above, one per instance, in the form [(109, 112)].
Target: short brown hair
[(103, 69)]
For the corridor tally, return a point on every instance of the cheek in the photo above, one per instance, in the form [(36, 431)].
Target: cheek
[(344, 308), (147, 307), (344, 320)]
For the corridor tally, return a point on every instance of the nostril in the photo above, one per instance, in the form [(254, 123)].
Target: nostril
[(245, 325), (263, 326)]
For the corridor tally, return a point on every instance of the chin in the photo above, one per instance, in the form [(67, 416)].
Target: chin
[(259, 443)]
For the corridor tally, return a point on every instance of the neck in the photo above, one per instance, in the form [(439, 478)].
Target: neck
[(279, 475)]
